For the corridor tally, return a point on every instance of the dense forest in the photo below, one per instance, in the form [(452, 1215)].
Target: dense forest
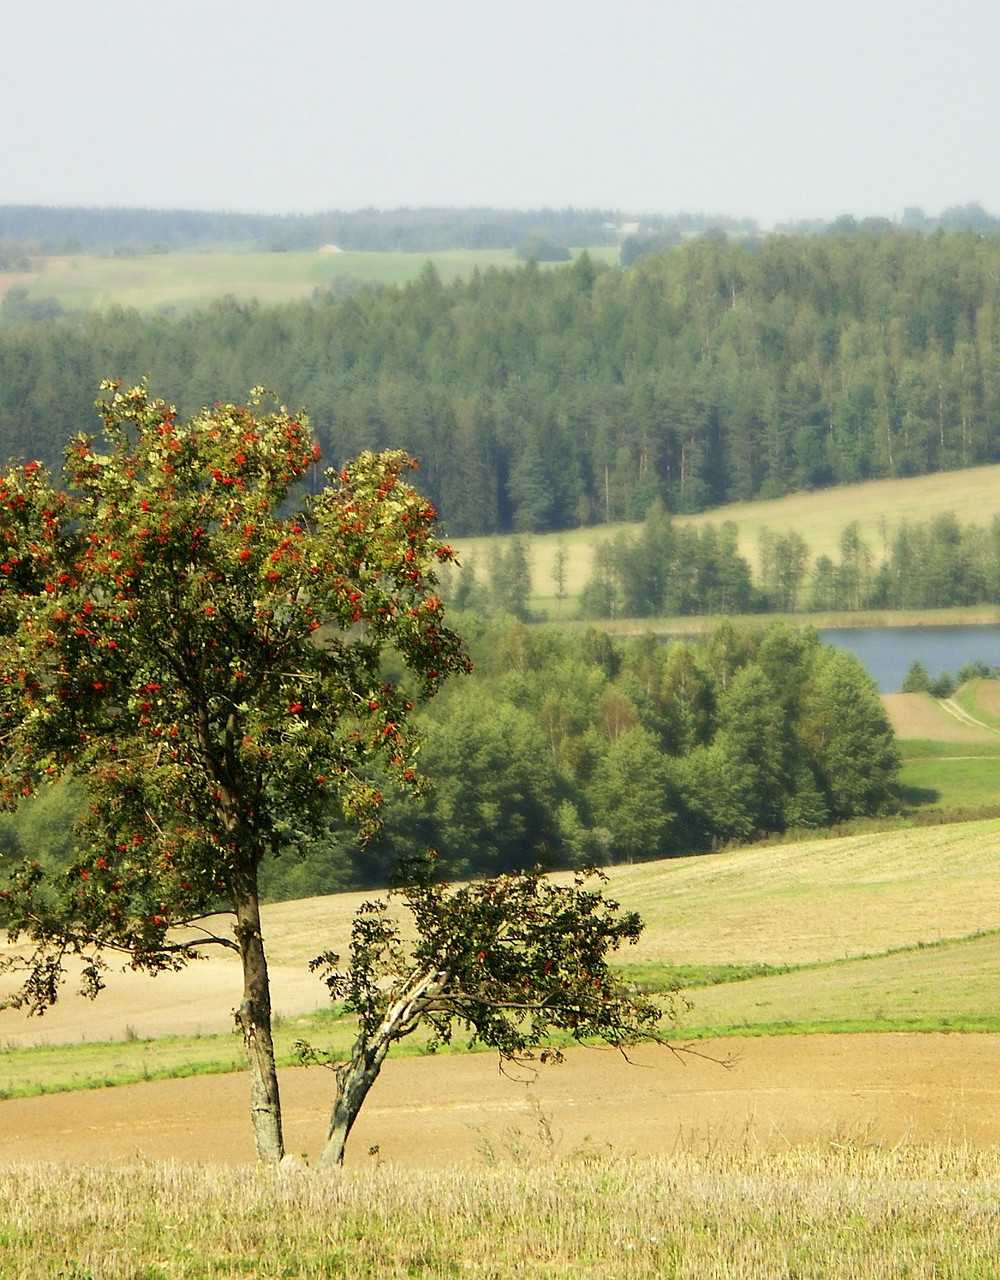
[(566, 748), (546, 399)]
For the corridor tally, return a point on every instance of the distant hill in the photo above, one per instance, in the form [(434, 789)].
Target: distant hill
[(537, 400), (55, 229)]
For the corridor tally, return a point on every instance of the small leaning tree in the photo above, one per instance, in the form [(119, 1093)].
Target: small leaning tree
[(518, 963)]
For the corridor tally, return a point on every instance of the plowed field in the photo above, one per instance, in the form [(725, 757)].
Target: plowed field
[(423, 1111)]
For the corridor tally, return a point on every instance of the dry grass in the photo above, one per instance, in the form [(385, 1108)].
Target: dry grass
[(918, 715), (792, 903), (778, 904), (879, 506), (842, 1211)]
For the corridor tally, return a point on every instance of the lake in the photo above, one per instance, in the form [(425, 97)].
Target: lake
[(887, 652)]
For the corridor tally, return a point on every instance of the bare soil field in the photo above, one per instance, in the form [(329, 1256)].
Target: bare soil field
[(776, 1092)]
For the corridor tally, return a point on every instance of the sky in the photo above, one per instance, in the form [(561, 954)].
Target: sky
[(772, 109)]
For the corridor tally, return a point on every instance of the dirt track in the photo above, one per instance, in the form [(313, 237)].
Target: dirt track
[(782, 1090)]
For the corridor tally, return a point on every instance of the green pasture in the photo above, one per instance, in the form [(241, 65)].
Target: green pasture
[(182, 281), (958, 769), (952, 784)]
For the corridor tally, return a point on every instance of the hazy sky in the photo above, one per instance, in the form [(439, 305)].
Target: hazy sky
[(772, 109)]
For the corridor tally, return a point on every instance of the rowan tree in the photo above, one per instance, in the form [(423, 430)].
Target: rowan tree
[(206, 654)]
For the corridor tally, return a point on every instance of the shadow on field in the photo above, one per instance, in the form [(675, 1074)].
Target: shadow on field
[(916, 797)]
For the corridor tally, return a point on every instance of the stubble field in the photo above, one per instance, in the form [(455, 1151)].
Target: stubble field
[(763, 1153), (837, 1212)]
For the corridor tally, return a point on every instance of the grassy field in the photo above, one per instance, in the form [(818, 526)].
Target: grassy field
[(981, 699), (952, 785), (838, 1211), (186, 280), (879, 506), (948, 765), (882, 930)]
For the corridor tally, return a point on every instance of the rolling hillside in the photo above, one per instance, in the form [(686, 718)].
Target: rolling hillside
[(879, 507), (813, 903), (950, 747)]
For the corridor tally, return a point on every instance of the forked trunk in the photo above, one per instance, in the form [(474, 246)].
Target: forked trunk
[(254, 1020), (354, 1080)]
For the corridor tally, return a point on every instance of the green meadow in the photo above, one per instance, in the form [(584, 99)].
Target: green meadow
[(182, 281)]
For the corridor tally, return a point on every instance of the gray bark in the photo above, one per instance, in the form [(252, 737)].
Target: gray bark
[(254, 1020), (353, 1083), (355, 1078)]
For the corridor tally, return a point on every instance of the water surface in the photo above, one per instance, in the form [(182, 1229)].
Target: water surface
[(887, 652)]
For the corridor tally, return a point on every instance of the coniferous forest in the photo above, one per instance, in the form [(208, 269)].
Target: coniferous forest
[(545, 399)]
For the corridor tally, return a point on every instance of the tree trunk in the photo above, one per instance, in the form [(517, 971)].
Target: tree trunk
[(353, 1083), (254, 1020)]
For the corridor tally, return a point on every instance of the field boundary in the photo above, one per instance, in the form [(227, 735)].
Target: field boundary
[(658, 981)]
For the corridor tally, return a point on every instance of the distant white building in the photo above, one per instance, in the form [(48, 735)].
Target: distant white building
[(329, 248)]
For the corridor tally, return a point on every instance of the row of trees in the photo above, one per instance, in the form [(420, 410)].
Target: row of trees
[(548, 399), (569, 748), (919, 679), (668, 570), (51, 229)]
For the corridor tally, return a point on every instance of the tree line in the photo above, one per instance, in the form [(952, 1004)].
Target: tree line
[(570, 748), (73, 229), (54, 229), (669, 570), (541, 400)]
